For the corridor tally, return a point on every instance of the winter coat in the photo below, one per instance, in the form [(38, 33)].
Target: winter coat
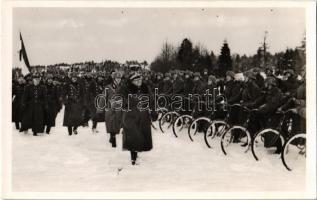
[(270, 101), (168, 87), (188, 86), (113, 117), (17, 93), (301, 99), (259, 80), (136, 123), (95, 89), (250, 92), (74, 104), (53, 102), (178, 86), (199, 87), (34, 103), (233, 91), (290, 85)]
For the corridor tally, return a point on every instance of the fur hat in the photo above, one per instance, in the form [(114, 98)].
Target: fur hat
[(290, 71), (230, 73), (249, 74), (212, 78), (196, 74), (271, 81)]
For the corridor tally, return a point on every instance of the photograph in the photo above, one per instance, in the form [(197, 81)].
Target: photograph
[(158, 100)]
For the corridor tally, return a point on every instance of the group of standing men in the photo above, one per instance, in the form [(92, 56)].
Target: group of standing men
[(38, 98)]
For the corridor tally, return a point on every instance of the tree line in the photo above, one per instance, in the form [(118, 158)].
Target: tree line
[(197, 58)]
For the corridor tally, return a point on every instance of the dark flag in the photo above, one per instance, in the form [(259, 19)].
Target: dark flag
[(23, 58)]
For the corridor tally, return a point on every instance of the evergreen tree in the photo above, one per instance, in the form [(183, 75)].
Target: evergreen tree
[(224, 61), (185, 56)]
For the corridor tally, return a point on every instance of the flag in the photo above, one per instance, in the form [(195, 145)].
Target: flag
[(23, 58)]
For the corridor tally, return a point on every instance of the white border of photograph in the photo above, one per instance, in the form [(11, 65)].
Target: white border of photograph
[(6, 62)]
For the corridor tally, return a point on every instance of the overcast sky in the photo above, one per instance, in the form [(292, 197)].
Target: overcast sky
[(54, 35)]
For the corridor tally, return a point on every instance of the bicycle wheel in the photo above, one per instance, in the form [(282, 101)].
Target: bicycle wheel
[(267, 142), (294, 152), (235, 139), (167, 120), (214, 132), (197, 126), (160, 112), (181, 124)]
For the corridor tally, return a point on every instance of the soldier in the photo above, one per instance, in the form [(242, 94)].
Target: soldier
[(137, 136), (199, 85), (53, 101), (267, 106), (188, 84), (232, 88), (113, 117), (17, 94), (205, 75), (178, 86), (159, 83), (34, 103), (259, 80), (290, 84), (251, 90), (74, 103), (87, 81), (96, 88), (168, 85)]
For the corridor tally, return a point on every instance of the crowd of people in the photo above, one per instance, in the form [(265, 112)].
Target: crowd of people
[(39, 97)]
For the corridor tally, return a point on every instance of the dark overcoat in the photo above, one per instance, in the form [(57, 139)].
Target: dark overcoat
[(53, 102), (74, 104), (250, 92), (233, 91), (136, 123), (34, 103), (17, 93), (95, 89), (113, 117)]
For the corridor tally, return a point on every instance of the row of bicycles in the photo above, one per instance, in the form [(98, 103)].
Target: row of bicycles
[(236, 127)]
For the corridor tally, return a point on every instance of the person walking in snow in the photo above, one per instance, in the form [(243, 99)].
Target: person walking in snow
[(137, 135), (113, 117)]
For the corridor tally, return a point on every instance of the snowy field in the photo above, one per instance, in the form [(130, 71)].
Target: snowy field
[(87, 163)]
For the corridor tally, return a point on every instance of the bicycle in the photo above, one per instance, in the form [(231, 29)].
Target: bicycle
[(265, 140), (237, 135)]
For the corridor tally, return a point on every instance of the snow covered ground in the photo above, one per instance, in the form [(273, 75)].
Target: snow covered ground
[(87, 163)]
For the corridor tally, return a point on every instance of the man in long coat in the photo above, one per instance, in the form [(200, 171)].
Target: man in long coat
[(74, 105), (113, 117), (53, 101), (17, 94), (96, 88), (137, 136), (34, 103)]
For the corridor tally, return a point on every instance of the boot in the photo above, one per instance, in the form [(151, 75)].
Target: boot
[(133, 157), (113, 141), (17, 125), (69, 130), (48, 129), (75, 130)]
